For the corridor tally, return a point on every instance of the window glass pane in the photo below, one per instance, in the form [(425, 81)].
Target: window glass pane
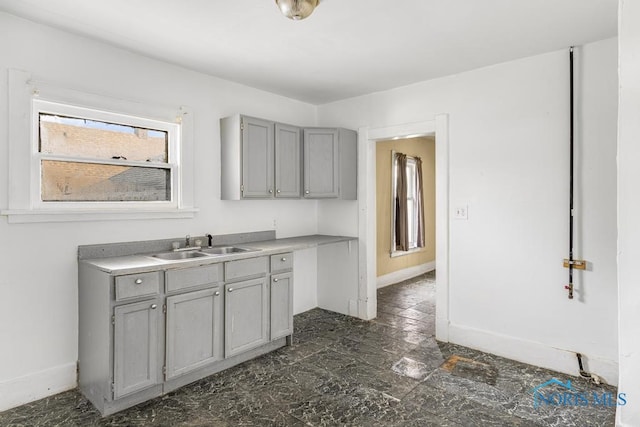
[(411, 178), (77, 137), (411, 224), (88, 182)]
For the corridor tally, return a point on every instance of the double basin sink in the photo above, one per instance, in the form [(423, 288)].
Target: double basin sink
[(201, 252)]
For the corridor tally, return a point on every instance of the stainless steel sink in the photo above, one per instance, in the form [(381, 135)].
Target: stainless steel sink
[(223, 250), (179, 255)]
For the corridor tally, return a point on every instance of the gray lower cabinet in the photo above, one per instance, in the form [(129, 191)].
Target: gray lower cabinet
[(135, 347), (143, 335), (281, 292), (246, 315), (194, 331), (281, 295)]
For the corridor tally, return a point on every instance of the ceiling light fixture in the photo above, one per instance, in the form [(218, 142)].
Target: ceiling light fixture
[(297, 9)]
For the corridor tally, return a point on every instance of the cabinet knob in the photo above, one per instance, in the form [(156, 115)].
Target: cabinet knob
[(283, 259), (230, 290), (217, 293), (154, 306), (275, 280), (306, 192), (138, 281), (277, 191), (270, 191)]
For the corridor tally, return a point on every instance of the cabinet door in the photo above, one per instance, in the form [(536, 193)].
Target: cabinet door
[(193, 331), (288, 161), (321, 163), (281, 305), (257, 158), (135, 342), (246, 316)]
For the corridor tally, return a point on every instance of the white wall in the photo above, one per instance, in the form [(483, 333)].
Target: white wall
[(628, 206), (38, 269), (509, 135)]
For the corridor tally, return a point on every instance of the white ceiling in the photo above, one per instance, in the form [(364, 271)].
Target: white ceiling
[(345, 48)]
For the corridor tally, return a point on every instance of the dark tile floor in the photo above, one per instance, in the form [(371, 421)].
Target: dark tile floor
[(344, 371)]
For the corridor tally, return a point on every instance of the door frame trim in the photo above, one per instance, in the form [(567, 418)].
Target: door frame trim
[(367, 139)]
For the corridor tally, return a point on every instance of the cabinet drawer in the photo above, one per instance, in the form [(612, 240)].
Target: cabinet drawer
[(250, 267), (196, 276), (281, 262), (137, 285)]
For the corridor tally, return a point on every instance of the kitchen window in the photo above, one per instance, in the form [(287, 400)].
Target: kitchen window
[(95, 157), (77, 156)]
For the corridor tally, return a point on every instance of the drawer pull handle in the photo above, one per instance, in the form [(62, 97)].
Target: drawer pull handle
[(138, 281), (154, 306), (275, 280), (217, 293), (283, 259), (230, 290)]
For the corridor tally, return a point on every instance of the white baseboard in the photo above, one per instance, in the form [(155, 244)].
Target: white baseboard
[(532, 353), (407, 273), (38, 385)]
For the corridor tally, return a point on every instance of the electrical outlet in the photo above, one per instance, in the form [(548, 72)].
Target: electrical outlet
[(461, 212), (275, 224)]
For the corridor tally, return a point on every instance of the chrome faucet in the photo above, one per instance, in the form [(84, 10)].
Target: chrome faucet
[(187, 245)]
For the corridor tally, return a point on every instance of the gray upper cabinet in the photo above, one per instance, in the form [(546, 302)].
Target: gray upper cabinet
[(321, 163), (194, 335), (330, 163), (260, 159), (287, 161), (263, 159), (257, 158), (136, 348)]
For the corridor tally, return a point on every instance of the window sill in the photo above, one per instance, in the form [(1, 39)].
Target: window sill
[(76, 215), (403, 253)]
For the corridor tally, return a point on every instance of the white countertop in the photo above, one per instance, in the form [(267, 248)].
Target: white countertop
[(133, 264)]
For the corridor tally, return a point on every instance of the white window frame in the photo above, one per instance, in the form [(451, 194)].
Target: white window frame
[(413, 219), (53, 108), (29, 97)]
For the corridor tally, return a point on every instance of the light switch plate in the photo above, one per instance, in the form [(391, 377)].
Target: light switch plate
[(461, 212)]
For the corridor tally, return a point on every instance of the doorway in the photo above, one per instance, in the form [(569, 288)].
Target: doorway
[(405, 219), (367, 140)]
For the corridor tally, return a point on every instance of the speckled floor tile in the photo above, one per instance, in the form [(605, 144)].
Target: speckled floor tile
[(427, 352), (411, 368), (405, 323), (365, 352), (345, 371), (478, 392), (361, 407), (382, 380)]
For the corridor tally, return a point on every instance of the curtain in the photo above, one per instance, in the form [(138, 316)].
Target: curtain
[(419, 204), (402, 232)]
